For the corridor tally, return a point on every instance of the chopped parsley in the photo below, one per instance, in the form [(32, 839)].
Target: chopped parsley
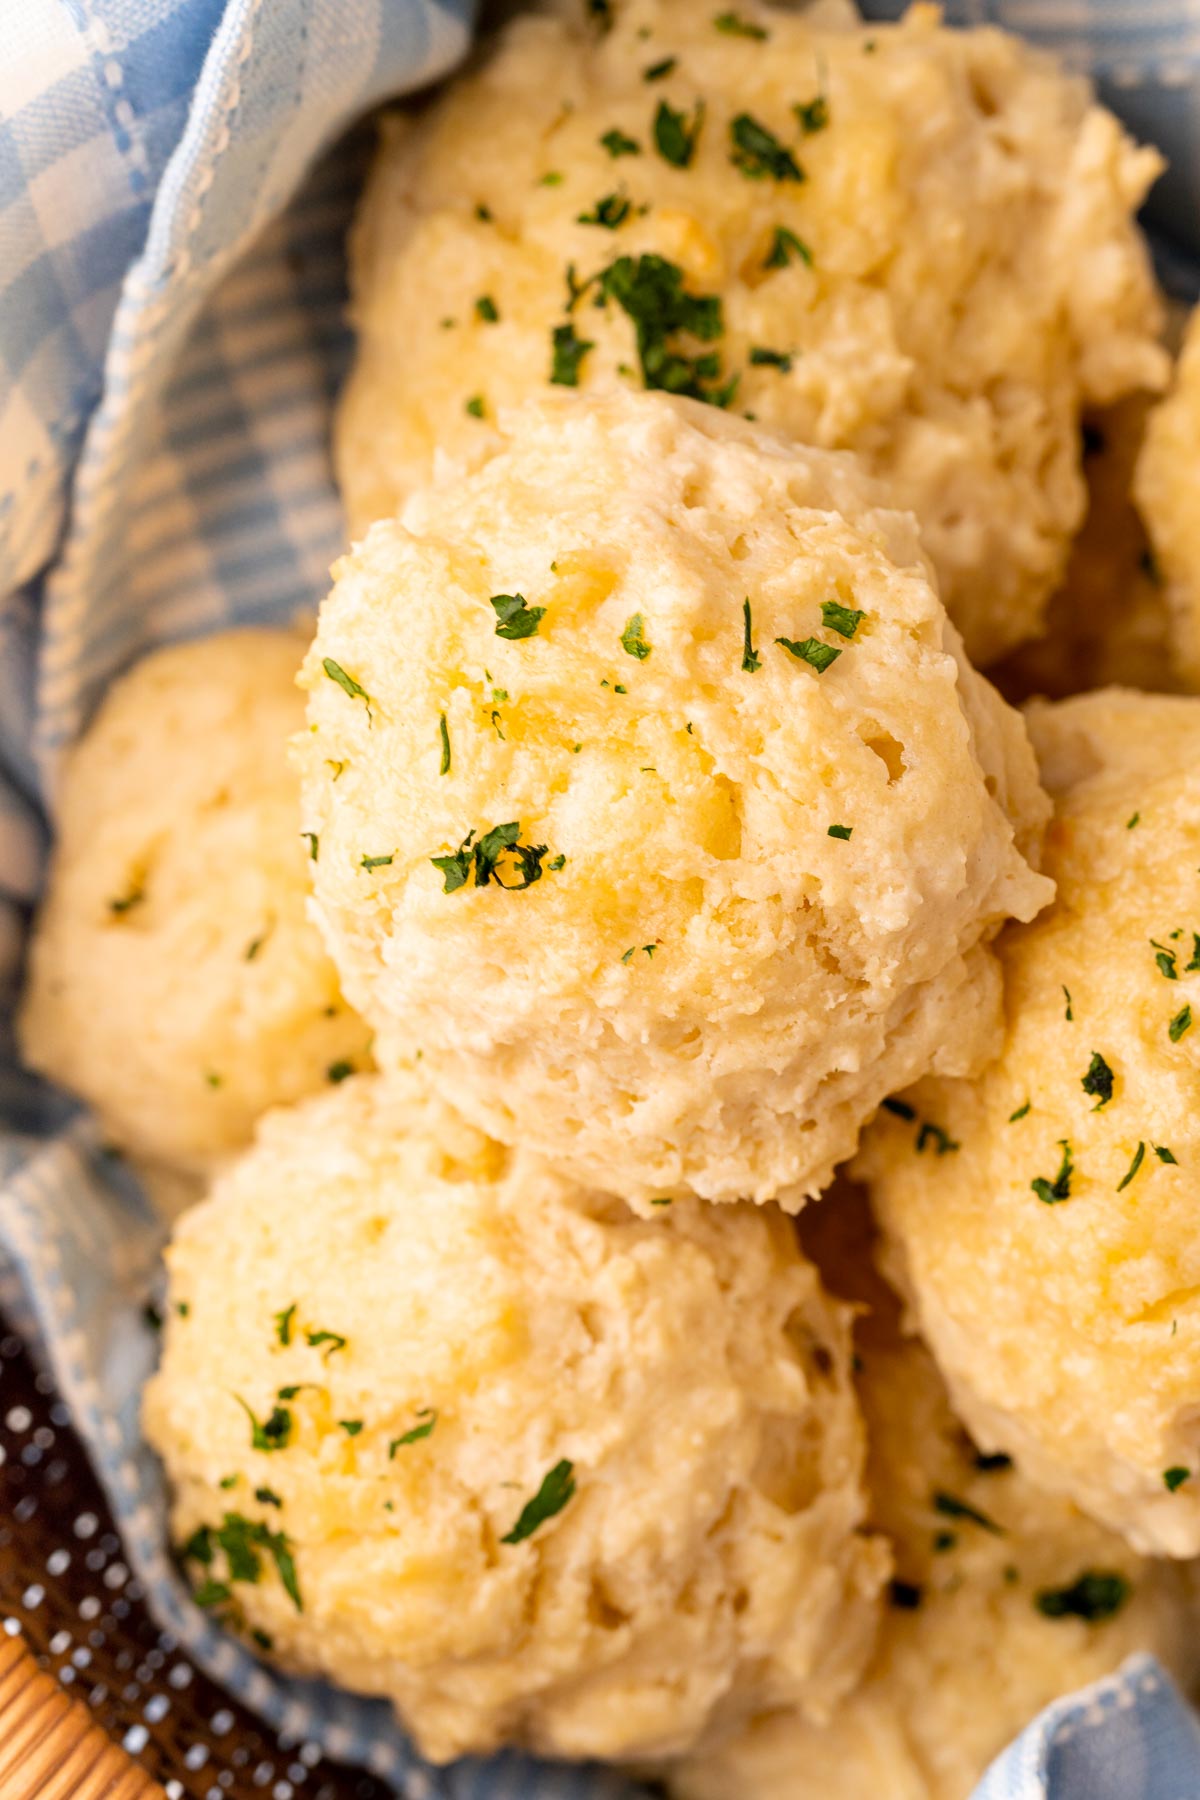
[(1164, 1155), (1020, 1113), (1096, 1595), (617, 144), (1130, 823), (283, 1323), (812, 115), (556, 863), (445, 737), (933, 1134), (332, 1339), (569, 351), (647, 949), (127, 901), (676, 134), (633, 640), (486, 310), (905, 1595), (377, 862), (1179, 1024), (609, 212), (241, 1539), (952, 1508), (483, 213), (811, 650), (1189, 967), (763, 358), (267, 1497), (427, 1419), (558, 1485), (351, 1427), (347, 683), (314, 845), (1167, 965), (845, 620), (1098, 1081), (650, 290), (660, 70), (900, 1108), (1069, 1014), (254, 946), (552, 178), (1051, 1192), (474, 406), (735, 26), (486, 854), (272, 1433), (1139, 1157), (1175, 1478), (759, 154), (992, 1462), (843, 831), (784, 246), (751, 660), (515, 619)]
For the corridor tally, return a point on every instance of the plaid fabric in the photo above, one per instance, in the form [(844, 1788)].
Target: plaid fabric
[(174, 184)]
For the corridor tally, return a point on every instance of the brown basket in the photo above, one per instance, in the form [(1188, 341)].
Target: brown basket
[(96, 1703)]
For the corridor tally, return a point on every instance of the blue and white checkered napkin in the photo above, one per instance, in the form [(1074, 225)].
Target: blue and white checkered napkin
[(175, 177)]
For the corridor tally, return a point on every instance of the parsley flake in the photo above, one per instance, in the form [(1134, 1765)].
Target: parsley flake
[(274, 1432), (905, 1595), (660, 70), (900, 1108), (1179, 1024), (1139, 1156), (650, 290), (267, 1497), (445, 737), (558, 1485), (377, 862), (734, 26), (933, 1134), (332, 1339), (811, 650), (1020, 1113), (474, 406), (759, 154), (514, 619), (1096, 1595), (812, 115), (1165, 960), (676, 134), (1175, 1477), (347, 683), (992, 1462), (314, 845), (1165, 1156), (784, 246), (751, 660), (609, 212), (126, 902), (840, 831), (351, 1427), (427, 1417), (283, 1323), (1051, 1192), (1098, 1081), (845, 620), (617, 144), (569, 351), (763, 358), (486, 855), (1130, 823), (633, 640), (486, 310), (1069, 1014), (952, 1508)]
